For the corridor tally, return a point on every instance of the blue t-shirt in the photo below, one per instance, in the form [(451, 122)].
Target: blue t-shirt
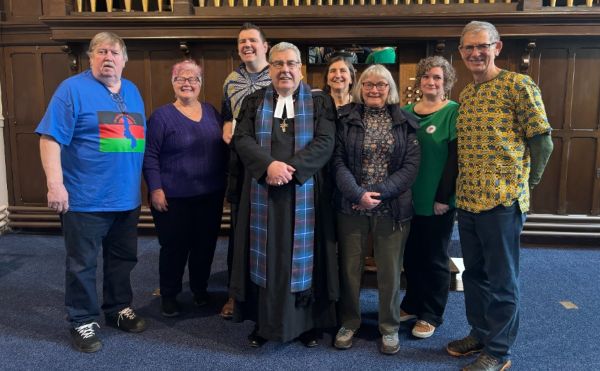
[(102, 138)]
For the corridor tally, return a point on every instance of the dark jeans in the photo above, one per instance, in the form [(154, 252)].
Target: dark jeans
[(187, 232), (490, 246), (85, 233), (426, 267)]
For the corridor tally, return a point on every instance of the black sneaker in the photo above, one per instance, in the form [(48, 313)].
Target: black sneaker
[(255, 340), (126, 320), (85, 339), (169, 307), (201, 299), (488, 363), (310, 338), (464, 347)]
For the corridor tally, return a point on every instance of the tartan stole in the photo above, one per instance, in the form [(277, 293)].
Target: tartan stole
[(303, 246)]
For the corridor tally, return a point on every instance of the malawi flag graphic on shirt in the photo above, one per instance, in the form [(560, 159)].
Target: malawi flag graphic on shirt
[(121, 132)]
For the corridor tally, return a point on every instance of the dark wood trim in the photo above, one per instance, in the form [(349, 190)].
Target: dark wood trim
[(330, 23)]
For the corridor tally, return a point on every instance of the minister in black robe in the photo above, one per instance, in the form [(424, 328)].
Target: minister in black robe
[(279, 313)]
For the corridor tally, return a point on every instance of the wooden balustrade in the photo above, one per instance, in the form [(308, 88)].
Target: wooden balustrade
[(124, 5), (162, 5)]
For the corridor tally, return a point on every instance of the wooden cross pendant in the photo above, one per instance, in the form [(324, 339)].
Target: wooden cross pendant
[(283, 125)]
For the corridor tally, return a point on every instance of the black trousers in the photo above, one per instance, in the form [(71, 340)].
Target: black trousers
[(231, 244), (426, 267), (187, 232)]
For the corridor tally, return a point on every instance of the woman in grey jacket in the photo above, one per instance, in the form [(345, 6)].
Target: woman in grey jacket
[(375, 162)]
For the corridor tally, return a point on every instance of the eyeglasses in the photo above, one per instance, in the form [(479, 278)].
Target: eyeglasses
[(118, 99), (190, 80), (369, 85), (483, 48), (292, 65)]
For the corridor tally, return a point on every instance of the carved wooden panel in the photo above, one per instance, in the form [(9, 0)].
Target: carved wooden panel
[(161, 62), (545, 197), (24, 10), (32, 75), (553, 82), (570, 81), (580, 175), (586, 89), (217, 62)]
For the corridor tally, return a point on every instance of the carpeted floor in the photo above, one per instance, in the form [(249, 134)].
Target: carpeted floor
[(33, 333)]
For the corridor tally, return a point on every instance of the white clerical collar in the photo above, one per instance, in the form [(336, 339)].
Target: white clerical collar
[(288, 103)]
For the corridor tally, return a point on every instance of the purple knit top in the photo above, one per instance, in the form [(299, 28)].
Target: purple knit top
[(184, 157)]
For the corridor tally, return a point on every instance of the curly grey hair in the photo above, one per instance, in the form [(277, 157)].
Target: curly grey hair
[(428, 63)]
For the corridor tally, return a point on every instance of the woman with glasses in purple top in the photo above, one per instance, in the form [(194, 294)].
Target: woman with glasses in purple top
[(184, 167)]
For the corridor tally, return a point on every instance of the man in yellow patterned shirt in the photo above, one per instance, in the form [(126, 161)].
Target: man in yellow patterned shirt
[(503, 145)]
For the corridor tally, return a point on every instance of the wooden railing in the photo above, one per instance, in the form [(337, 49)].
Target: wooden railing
[(125, 5), (80, 6)]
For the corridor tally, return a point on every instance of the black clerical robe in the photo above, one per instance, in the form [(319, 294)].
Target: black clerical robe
[(280, 314)]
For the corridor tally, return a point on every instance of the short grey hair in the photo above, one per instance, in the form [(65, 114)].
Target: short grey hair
[(377, 70), (107, 37), (478, 26), (283, 46)]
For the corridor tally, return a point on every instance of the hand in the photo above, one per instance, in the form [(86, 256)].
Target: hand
[(279, 173), (58, 198), (227, 131), (368, 201), (159, 200), (440, 208)]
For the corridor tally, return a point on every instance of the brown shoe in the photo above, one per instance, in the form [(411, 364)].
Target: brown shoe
[(406, 316), (227, 311), (423, 329)]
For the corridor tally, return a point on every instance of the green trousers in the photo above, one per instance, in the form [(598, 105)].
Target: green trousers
[(388, 245)]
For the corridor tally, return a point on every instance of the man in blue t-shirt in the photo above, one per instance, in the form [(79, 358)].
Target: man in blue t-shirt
[(92, 146)]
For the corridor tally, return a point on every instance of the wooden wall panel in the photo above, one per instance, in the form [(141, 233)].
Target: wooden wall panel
[(161, 62), (217, 61), (28, 10), (30, 175), (32, 75), (564, 69), (581, 174), (135, 70), (553, 80), (545, 197), (57, 68), (586, 92), (27, 105)]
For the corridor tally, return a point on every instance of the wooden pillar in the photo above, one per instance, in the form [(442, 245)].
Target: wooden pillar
[(60, 7), (530, 5), (183, 7)]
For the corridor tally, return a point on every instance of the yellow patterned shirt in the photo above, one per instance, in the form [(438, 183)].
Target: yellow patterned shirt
[(494, 122)]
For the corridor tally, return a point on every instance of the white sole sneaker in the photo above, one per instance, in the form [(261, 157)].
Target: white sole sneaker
[(423, 329)]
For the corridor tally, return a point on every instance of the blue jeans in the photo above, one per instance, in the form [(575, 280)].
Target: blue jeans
[(490, 246), (85, 233)]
